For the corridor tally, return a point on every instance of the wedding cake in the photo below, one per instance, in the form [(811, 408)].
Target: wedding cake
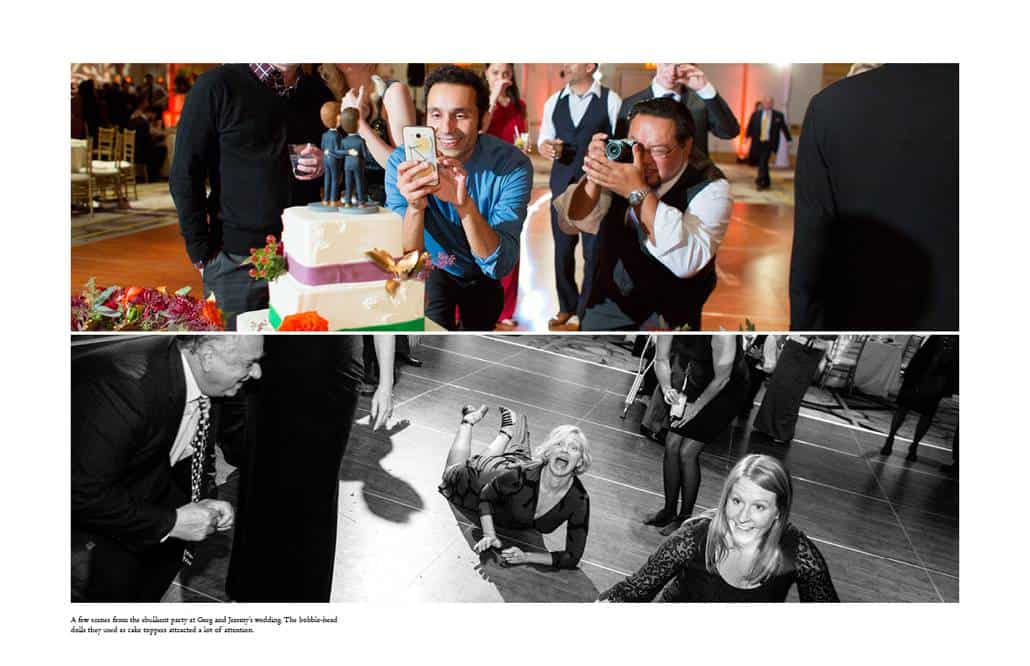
[(330, 272)]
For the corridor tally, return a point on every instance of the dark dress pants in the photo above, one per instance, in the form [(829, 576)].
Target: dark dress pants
[(479, 301), (764, 154), (565, 265), (786, 388), (234, 289), (302, 412)]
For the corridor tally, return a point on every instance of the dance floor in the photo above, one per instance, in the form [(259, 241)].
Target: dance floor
[(119, 247), (887, 528)]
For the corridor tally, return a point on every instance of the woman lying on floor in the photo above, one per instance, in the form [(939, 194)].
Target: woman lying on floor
[(514, 488), (742, 550)]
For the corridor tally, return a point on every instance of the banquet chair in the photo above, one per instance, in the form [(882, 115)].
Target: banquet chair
[(127, 162), (82, 172), (105, 148), (106, 165)]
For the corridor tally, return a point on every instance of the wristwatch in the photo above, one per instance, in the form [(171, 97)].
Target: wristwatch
[(636, 197)]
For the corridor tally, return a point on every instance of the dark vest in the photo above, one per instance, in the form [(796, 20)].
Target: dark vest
[(635, 280), (569, 168)]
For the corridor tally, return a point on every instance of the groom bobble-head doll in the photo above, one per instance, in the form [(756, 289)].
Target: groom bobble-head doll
[(354, 162), (332, 147)]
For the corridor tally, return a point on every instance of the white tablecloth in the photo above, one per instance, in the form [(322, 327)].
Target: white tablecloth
[(878, 368)]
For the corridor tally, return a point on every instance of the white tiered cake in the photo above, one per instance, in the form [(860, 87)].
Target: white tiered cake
[(331, 274)]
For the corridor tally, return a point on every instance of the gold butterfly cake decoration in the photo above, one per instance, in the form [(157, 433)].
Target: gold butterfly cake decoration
[(405, 268)]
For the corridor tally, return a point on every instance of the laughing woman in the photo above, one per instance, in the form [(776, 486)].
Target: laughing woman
[(742, 550), (512, 487)]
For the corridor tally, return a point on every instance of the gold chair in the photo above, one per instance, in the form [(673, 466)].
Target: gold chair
[(82, 172), (127, 162), (106, 169), (105, 148)]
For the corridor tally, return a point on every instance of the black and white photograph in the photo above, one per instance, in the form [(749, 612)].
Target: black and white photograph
[(567, 468)]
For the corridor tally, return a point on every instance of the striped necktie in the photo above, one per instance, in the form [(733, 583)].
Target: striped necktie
[(200, 453)]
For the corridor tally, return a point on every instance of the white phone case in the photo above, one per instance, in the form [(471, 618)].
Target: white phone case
[(420, 145)]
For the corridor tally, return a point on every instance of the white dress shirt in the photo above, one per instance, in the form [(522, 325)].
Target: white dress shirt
[(658, 90), (182, 448), (684, 241), (577, 109)]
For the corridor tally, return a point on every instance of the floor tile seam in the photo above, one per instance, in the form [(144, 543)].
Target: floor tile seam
[(868, 431), (904, 530), (519, 369), (559, 354), (198, 592), (442, 385)]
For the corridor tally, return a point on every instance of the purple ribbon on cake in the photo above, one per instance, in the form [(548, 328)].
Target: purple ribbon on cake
[(357, 271)]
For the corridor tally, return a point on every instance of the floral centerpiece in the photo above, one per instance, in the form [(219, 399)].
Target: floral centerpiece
[(142, 309)]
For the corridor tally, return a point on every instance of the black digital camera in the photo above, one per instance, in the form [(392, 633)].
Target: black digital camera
[(619, 150)]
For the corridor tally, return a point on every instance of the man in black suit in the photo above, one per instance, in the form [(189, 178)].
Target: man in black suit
[(687, 84), (876, 203), (764, 130), (140, 412)]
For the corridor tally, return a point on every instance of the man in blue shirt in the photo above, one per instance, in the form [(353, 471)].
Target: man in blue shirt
[(469, 217)]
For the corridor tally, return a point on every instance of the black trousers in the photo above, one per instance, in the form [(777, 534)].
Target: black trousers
[(565, 265), (105, 571), (764, 153), (479, 301), (226, 276), (794, 373)]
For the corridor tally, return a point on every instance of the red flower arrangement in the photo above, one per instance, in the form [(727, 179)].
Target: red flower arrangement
[(304, 321), (142, 309), (269, 261)]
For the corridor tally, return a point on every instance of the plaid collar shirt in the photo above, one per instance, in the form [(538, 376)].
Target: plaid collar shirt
[(272, 77)]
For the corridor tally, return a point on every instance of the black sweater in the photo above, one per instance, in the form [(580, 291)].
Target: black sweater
[(232, 133)]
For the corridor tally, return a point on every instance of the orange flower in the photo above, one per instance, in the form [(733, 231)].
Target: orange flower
[(211, 312), (130, 295), (304, 321)]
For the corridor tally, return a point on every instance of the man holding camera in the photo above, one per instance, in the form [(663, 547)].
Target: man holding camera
[(659, 217), (687, 85), (571, 117), (468, 213)]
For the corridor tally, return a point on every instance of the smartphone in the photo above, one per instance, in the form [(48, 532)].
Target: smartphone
[(420, 145)]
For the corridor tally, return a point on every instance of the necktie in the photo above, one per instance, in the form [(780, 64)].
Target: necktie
[(671, 96), (200, 452), (764, 136)]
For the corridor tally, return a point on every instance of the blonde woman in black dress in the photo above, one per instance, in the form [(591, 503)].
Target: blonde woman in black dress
[(511, 486)]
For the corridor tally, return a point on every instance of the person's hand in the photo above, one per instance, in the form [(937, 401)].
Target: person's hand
[(497, 88), (382, 406), (595, 149), (226, 514), (617, 177), (671, 395), (513, 555), (689, 413), (549, 149), (311, 164), (194, 522), (453, 179), (356, 100), (416, 181), (486, 543), (691, 77)]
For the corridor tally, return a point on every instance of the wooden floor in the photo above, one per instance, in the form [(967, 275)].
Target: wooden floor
[(752, 266), (887, 528)]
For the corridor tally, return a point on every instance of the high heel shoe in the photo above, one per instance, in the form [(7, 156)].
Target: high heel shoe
[(471, 415)]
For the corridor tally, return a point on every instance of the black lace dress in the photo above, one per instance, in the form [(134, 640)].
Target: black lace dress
[(507, 487), (678, 566)]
